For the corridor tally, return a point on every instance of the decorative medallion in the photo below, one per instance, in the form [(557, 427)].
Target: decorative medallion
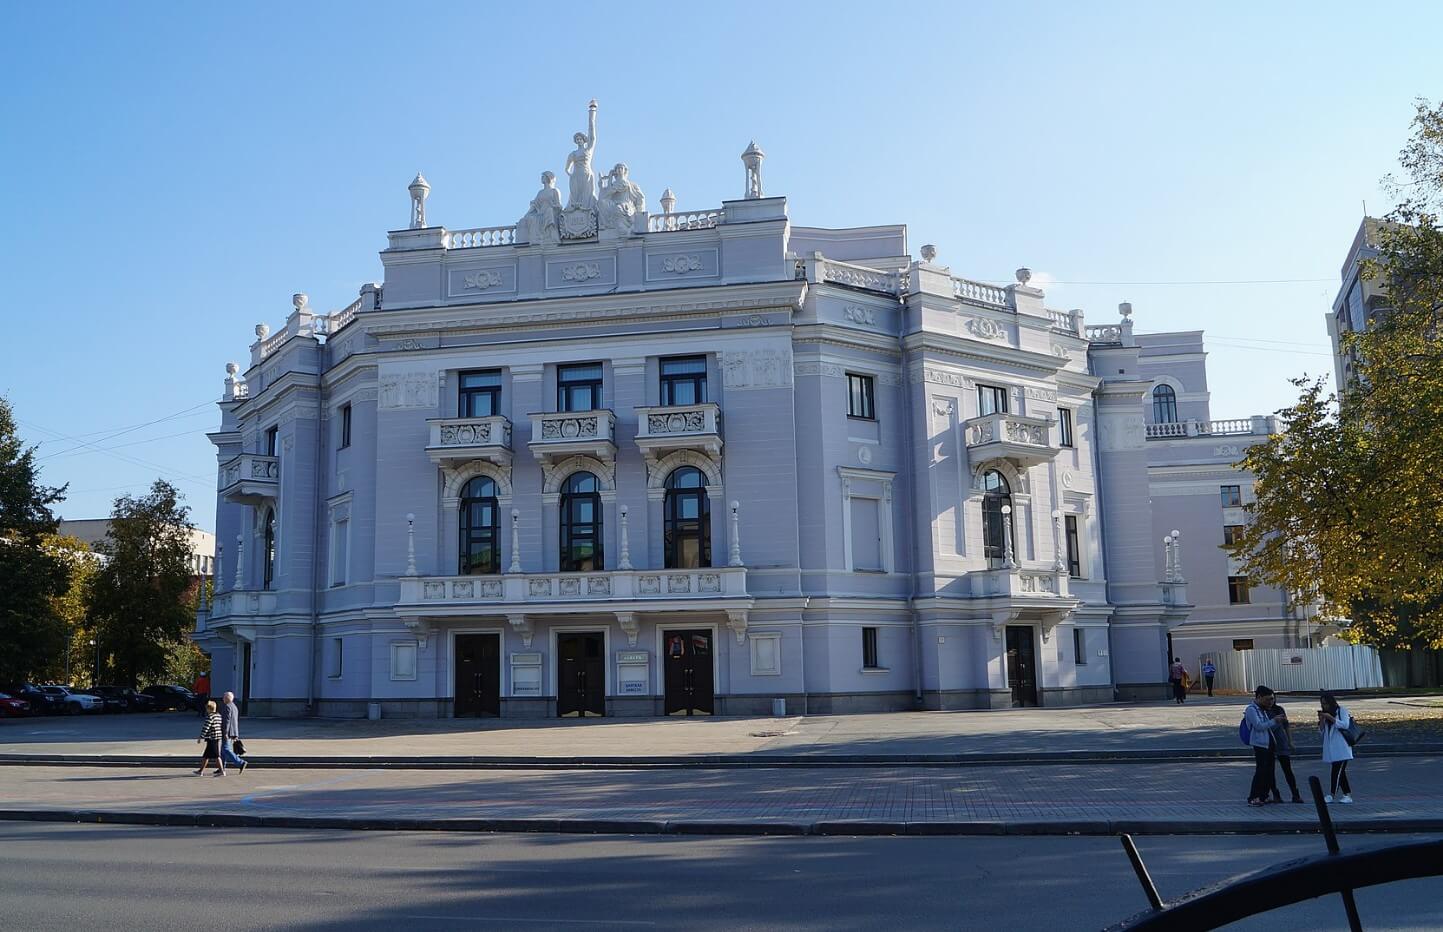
[(986, 328)]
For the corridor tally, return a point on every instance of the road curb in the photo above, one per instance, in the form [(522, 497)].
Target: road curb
[(703, 762), (837, 827)]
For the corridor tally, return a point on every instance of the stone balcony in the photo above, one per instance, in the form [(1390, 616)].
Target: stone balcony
[(559, 434), (665, 429), (455, 440), (1026, 441), (1020, 582), (250, 479)]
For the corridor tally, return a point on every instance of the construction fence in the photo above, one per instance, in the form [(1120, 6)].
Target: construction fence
[(1294, 669)]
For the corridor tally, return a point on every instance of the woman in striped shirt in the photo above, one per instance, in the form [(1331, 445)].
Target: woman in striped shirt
[(210, 734)]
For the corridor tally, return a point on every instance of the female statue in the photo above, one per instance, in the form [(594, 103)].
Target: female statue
[(578, 165)]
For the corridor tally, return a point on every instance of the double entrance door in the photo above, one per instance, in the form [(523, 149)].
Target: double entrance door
[(1021, 666), (478, 675), (687, 669), (580, 675)]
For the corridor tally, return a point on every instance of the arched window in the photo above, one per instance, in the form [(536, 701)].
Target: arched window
[(1164, 405), (687, 520), (581, 524), (268, 554), (996, 494), (480, 527)]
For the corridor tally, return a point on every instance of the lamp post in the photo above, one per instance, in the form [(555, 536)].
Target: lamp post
[(94, 644)]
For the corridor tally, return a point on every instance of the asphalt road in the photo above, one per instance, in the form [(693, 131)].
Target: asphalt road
[(125, 877)]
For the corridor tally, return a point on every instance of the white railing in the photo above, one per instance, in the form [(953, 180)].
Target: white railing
[(677, 420), (715, 582), (978, 292), (1228, 427), (691, 220), (273, 343), (1063, 320), (563, 427), (859, 276), (1167, 429), (481, 237), (1008, 428), (1104, 333), (470, 431), (249, 467), (1237, 425), (342, 317)]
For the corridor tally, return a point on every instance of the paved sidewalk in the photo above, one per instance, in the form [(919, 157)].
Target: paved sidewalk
[(1395, 794), (1205, 727)]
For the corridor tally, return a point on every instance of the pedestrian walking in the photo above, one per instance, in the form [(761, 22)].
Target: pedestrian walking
[(230, 731), (1283, 750), (1209, 670), (1259, 727), (211, 735), (1334, 721), (1175, 674)]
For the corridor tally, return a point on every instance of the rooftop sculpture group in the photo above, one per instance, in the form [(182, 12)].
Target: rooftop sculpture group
[(609, 210)]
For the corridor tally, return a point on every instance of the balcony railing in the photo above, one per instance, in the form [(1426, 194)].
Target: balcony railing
[(1066, 321), (250, 478), (1257, 426), (970, 292), (1022, 439), (560, 433), (1025, 582), (481, 237), (691, 220), (522, 590), (859, 276), (460, 439), (679, 427)]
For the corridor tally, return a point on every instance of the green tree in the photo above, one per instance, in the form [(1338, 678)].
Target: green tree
[(140, 599), (31, 576), (1349, 508), (76, 660)]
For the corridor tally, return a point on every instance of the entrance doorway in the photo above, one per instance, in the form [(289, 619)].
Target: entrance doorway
[(580, 675), (245, 683), (688, 672), (478, 675), (1021, 666)]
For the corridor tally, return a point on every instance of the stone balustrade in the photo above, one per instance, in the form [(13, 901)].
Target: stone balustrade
[(461, 439), (250, 478), (564, 432), (1025, 440), (515, 590), (971, 292), (1258, 425), (481, 237), (691, 220), (1027, 582), (859, 276), (344, 316), (1103, 333), (660, 429), (1066, 321)]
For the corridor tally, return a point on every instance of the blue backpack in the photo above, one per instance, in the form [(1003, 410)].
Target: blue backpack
[(1245, 734)]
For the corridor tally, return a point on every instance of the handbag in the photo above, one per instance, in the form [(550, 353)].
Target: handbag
[(239, 747), (1353, 733)]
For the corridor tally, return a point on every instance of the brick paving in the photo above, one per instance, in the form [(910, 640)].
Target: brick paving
[(1189, 796)]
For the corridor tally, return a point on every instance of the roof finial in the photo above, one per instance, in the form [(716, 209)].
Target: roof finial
[(752, 159), (420, 190)]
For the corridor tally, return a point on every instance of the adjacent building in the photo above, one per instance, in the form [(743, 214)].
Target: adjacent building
[(613, 460), (92, 531)]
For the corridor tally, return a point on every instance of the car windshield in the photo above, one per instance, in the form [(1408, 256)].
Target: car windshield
[(4, 695), (54, 690)]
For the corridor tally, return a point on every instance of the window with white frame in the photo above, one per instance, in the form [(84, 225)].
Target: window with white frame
[(403, 660), (866, 535), (340, 551), (1074, 545)]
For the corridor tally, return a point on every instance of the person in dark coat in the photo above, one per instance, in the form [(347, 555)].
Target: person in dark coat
[(230, 732), (1283, 751)]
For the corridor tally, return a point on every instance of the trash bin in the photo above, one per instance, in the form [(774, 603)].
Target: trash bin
[(779, 707), (373, 711)]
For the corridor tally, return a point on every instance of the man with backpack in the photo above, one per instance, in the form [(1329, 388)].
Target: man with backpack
[(1256, 730)]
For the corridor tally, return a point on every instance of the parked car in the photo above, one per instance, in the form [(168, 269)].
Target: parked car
[(172, 697), (9, 705), (41, 703), (123, 699), (73, 701)]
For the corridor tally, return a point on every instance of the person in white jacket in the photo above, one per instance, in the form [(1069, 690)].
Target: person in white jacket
[(1332, 719), (1261, 727)]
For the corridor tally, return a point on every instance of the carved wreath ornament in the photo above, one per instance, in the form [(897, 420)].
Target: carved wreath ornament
[(483, 279), (986, 328), (681, 264), (581, 272), (677, 423), (568, 428)]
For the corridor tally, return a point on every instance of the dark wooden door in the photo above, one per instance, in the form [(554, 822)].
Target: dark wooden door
[(580, 675), (478, 675), (1021, 666), (245, 683), (687, 671)]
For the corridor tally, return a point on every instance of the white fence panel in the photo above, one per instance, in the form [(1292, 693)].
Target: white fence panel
[(1298, 669)]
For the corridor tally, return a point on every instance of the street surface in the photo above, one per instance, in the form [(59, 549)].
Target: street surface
[(1159, 726), (1189, 796), (136, 878)]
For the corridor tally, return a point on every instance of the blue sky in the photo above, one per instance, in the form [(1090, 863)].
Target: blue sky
[(174, 173)]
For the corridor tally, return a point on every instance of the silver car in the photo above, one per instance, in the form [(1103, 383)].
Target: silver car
[(74, 702)]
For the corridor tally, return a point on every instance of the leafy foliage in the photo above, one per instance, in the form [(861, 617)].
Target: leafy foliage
[(31, 575), (140, 599), (1349, 509), (76, 661)]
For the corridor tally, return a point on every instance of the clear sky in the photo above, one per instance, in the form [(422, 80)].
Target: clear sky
[(174, 172)]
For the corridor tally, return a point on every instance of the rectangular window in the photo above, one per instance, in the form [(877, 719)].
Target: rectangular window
[(478, 394), (1232, 496), (345, 426), (578, 387), (272, 434), (869, 649), (1242, 643), (861, 397), (403, 660), (1074, 546), (1064, 426), (336, 659), (866, 535), (683, 380), (1079, 645), (340, 551), (991, 400), (1238, 590), (1232, 533)]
